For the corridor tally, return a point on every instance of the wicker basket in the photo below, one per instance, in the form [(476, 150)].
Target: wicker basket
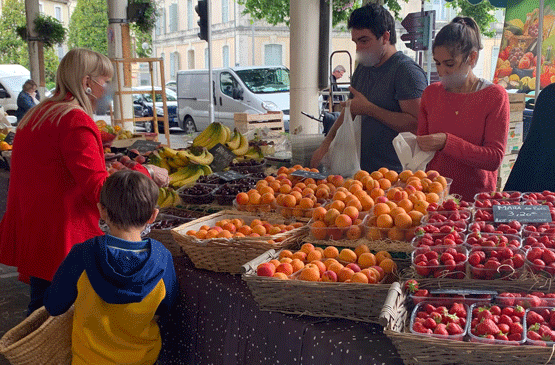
[(359, 302), (228, 255), (165, 235), (416, 349), (39, 340), (374, 245)]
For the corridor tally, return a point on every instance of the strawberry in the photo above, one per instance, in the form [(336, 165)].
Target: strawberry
[(429, 323), (411, 286), (506, 299), (504, 328), (458, 309), (505, 319), (428, 308), (495, 310), (487, 327), (438, 318), (533, 318), (419, 327), (502, 337), (515, 336), (454, 329), (552, 318), (419, 295), (534, 336), (484, 313), (441, 330), (520, 311)]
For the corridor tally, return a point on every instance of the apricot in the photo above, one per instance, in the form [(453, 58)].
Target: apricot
[(299, 255), (345, 274), (310, 273), (360, 249), (281, 276), (354, 232), (331, 252), (335, 267), (347, 255), (384, 221), (285, 268), (388, 265), (242, 198), (320, 265), (297, 264), (359, 277), (343, 221), (366, 259)]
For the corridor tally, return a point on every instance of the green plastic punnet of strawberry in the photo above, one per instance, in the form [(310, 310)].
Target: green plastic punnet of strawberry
[(411, 286)]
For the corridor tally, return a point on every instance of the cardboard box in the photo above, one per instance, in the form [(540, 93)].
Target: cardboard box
[(505, 169), (515, 137), (517, 116)]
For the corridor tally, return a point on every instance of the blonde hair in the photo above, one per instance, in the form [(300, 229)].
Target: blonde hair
[(74, 67)]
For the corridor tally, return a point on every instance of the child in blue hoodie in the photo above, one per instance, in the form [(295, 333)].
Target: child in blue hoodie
[(118, 282)]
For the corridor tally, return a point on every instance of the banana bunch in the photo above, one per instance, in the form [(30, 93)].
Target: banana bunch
[(167, 197), (253, 153), (243, 146), (198, 155), (171, 159), (188, 175), (124, 134), (215, 133)]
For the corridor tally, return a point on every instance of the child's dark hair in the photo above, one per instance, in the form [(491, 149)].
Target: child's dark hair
[(129, 198), (374, 17), (461, 37)]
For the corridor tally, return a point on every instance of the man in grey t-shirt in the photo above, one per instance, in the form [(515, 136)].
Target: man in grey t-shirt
[(385, 89)]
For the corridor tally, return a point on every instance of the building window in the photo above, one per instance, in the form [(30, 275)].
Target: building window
[(225, 11), (173, 18), (58, 13), (443, 13), (164, 21), (174, 64), (225, 56), (272, 54), (41, 8), (190, 59), (190, 14), (206, 57)]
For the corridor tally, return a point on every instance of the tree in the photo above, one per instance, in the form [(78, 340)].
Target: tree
[(277, 11), (482, 14), (14, 49), (88, 24)]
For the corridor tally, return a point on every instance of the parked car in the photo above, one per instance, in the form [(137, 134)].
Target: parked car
[(143, 107), (172, 85)]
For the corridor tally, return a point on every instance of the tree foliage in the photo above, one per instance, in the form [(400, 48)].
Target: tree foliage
[(482, 14), (88, 25), (14, 49)]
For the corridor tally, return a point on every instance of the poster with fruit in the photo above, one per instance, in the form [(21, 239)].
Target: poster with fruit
[(516, 63)]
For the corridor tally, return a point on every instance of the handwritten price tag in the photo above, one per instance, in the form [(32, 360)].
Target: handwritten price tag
[(521, 213), (307, 174)]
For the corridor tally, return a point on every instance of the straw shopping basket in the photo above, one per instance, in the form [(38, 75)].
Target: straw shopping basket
[(228, 255), (354, 301), (40, 339), (417, 349)]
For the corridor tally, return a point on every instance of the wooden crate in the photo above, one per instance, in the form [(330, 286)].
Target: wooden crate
[(516, 102), (271, 120)]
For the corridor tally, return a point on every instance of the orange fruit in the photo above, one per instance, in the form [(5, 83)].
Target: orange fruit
[(289, 201), (384, 221), (432, 198), (388, 265), (337, 204), (320, 265), (383, 170), (396, 211), (403, 221), (354, 202), (331, 252), (366, 202), (380, 255), (343, 220), (307, 248), (297, 264), (319, 213), (310, 273), (384, 183), (306, 203), (442, 181), (267, 198), (242, 198), (374, 233), (352, 212), (435, 187), (416, 217), (403, 176), (348, 255), (359, 277), (285, 253), (421, 206), (366, 259), (420, 174), (381, 208)]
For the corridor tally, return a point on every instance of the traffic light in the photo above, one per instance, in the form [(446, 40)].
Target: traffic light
[(202, 11)]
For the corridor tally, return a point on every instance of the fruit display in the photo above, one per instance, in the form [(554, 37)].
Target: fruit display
[(218, 133), (522, 300), (513, 227), (331, 264), (496, 324), (198, 194), (541, 261), (483, 239), (441, 227), (442, 216), (248, 165), (444, 298), (544, 196), (168, 197), (449, 205), (124, 163), (542, 241), (188, 175), (488, 263), (539, 229), (498, 197), (226, 194), (168, 222), (440, 261), (238, 227), (540, 326), (445, 321), (181, 213), (453, 238)]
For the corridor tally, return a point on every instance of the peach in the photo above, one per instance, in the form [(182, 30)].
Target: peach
[(359, 278), (280, 276), (345, 274), (353, 267), (329, 276), (266, 269), (285, 268)]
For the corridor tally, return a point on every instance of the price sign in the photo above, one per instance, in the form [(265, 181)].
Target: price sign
[(229, 175), (307, 174), (222, 157), (9, 138), (521, 213), (143, 146)]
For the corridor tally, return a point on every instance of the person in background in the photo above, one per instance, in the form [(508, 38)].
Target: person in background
[(27, 98), (57, 171), (535, 165), (337, 74), (385, 89), (465, 119), (118, 282)]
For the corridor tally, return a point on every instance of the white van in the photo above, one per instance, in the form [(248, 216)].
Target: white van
[(12, 78), (253, 90)]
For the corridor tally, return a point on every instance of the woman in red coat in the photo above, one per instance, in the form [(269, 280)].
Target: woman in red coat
[(57, 172)]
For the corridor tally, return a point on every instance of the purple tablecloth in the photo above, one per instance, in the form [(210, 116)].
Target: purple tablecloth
[(217, 321)]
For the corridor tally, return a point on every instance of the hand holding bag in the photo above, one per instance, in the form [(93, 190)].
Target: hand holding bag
[(409, 153), (343, 156)]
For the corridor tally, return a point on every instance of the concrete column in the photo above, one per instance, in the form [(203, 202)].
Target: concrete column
[(119, 47), (304, 25)]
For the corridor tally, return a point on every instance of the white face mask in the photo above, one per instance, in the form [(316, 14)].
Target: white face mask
[(455, 79), (370, 57)]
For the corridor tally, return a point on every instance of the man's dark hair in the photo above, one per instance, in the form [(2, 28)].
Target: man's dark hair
[(129, 198), (376, 18)]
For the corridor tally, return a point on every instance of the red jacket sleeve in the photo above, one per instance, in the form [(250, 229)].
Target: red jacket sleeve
[(489, 155)]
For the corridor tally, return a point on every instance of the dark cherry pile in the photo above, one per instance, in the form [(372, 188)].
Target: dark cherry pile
[(182, 213), (210, 179), (226, 193), (169, 223), (251, 162), (198, 194)]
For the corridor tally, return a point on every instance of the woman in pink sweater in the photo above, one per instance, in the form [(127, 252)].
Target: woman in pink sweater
[(465, 119)]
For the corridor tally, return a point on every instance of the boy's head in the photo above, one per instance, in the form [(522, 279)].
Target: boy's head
[(129, 199)]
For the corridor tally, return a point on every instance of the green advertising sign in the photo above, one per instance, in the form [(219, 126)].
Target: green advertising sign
[(516, 64)]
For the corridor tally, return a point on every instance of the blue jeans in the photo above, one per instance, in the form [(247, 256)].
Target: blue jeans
[(38, 290)]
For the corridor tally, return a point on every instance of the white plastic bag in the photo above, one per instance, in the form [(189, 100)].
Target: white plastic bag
[(409, 153), (343, 156)]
